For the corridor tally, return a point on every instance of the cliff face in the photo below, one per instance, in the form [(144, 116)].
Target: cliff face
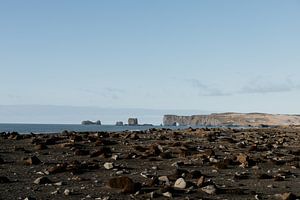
[(238, 119)]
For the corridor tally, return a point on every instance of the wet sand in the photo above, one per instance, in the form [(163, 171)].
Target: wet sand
[(153, 164)]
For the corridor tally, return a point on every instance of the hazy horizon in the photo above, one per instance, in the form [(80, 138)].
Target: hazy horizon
[(64, 114)]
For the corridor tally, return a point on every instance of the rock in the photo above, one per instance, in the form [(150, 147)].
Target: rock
[(201, 181), (1, 160), (4, 179), (42, 180), (40, 147), (167, 194), (180, 183), (210, 189), (279, 177), (103, 151), (81, 152), (59, 183), (108, 165), (264, 176), (165, 180), (32, 161), (124, 183), (165, 155), (194, 174), (132, 121), (115, 157), (243, 159), (241, 176), (286, 196), (67, 192), (57, 169), (30, 198)]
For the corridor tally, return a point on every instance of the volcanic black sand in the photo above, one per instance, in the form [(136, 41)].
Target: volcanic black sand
[(154, 164)]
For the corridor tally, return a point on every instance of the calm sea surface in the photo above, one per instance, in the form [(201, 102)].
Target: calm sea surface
[(57, 128)]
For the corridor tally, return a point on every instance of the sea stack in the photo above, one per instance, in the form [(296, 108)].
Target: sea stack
[(119, 123), (132, 121)]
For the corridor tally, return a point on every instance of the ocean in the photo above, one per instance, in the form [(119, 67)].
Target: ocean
[(57, 128)]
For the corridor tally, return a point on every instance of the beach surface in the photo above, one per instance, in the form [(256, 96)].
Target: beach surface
[(218, 163)]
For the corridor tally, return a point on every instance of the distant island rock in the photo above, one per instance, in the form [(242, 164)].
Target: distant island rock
[(88, 122), (133, 122), (232, 119), (119, 123)]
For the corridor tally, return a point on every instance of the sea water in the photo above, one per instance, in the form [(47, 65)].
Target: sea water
[(57, 128)]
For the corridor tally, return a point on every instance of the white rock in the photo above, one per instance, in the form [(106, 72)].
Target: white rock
[(210, 189), (58, 183), (67, 192), (213, 160), (167, 194), (115, 157), (108, 165), (180, 183), (164, 179)]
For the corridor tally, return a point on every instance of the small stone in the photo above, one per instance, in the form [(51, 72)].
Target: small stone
[(108, 165), (279, 178), (164, 179), (180, 183), (210, 189), (167, 194), (59, 183), (120, 172), (40, 147), (126, 184), (81, 152), (67, 192), (4, 179), (32, 161), (288, 196), (42, 180), (201, 181), (243, 159), (115, 157)]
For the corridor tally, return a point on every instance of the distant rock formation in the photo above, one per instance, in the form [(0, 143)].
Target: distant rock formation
[(232, 119), (88, 122), (133, 122), (119, 123)]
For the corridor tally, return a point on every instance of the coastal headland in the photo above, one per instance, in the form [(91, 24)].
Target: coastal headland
[(233, 119), (202, 163)]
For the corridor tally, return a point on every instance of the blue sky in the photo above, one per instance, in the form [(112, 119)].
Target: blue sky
[(216, 56)]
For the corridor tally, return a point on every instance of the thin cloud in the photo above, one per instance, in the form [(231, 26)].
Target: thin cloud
[(262, 86), (259, 85), (108, 92), (206, 90)]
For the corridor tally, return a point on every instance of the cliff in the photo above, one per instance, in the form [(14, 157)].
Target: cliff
[(232, 119)]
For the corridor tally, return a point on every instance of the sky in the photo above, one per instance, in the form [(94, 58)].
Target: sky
[(217, 56)]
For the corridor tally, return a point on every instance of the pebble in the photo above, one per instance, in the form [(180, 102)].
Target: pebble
[(167, 194), (210, 189), (288, 196), (42, 180), (180, 183), (125, 183), (201, 181), (32, 161), (67, 192), (164, 179), (4, 179), (108, 165)]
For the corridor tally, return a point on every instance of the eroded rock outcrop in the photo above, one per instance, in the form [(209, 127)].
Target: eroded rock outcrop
[(232, 119)]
